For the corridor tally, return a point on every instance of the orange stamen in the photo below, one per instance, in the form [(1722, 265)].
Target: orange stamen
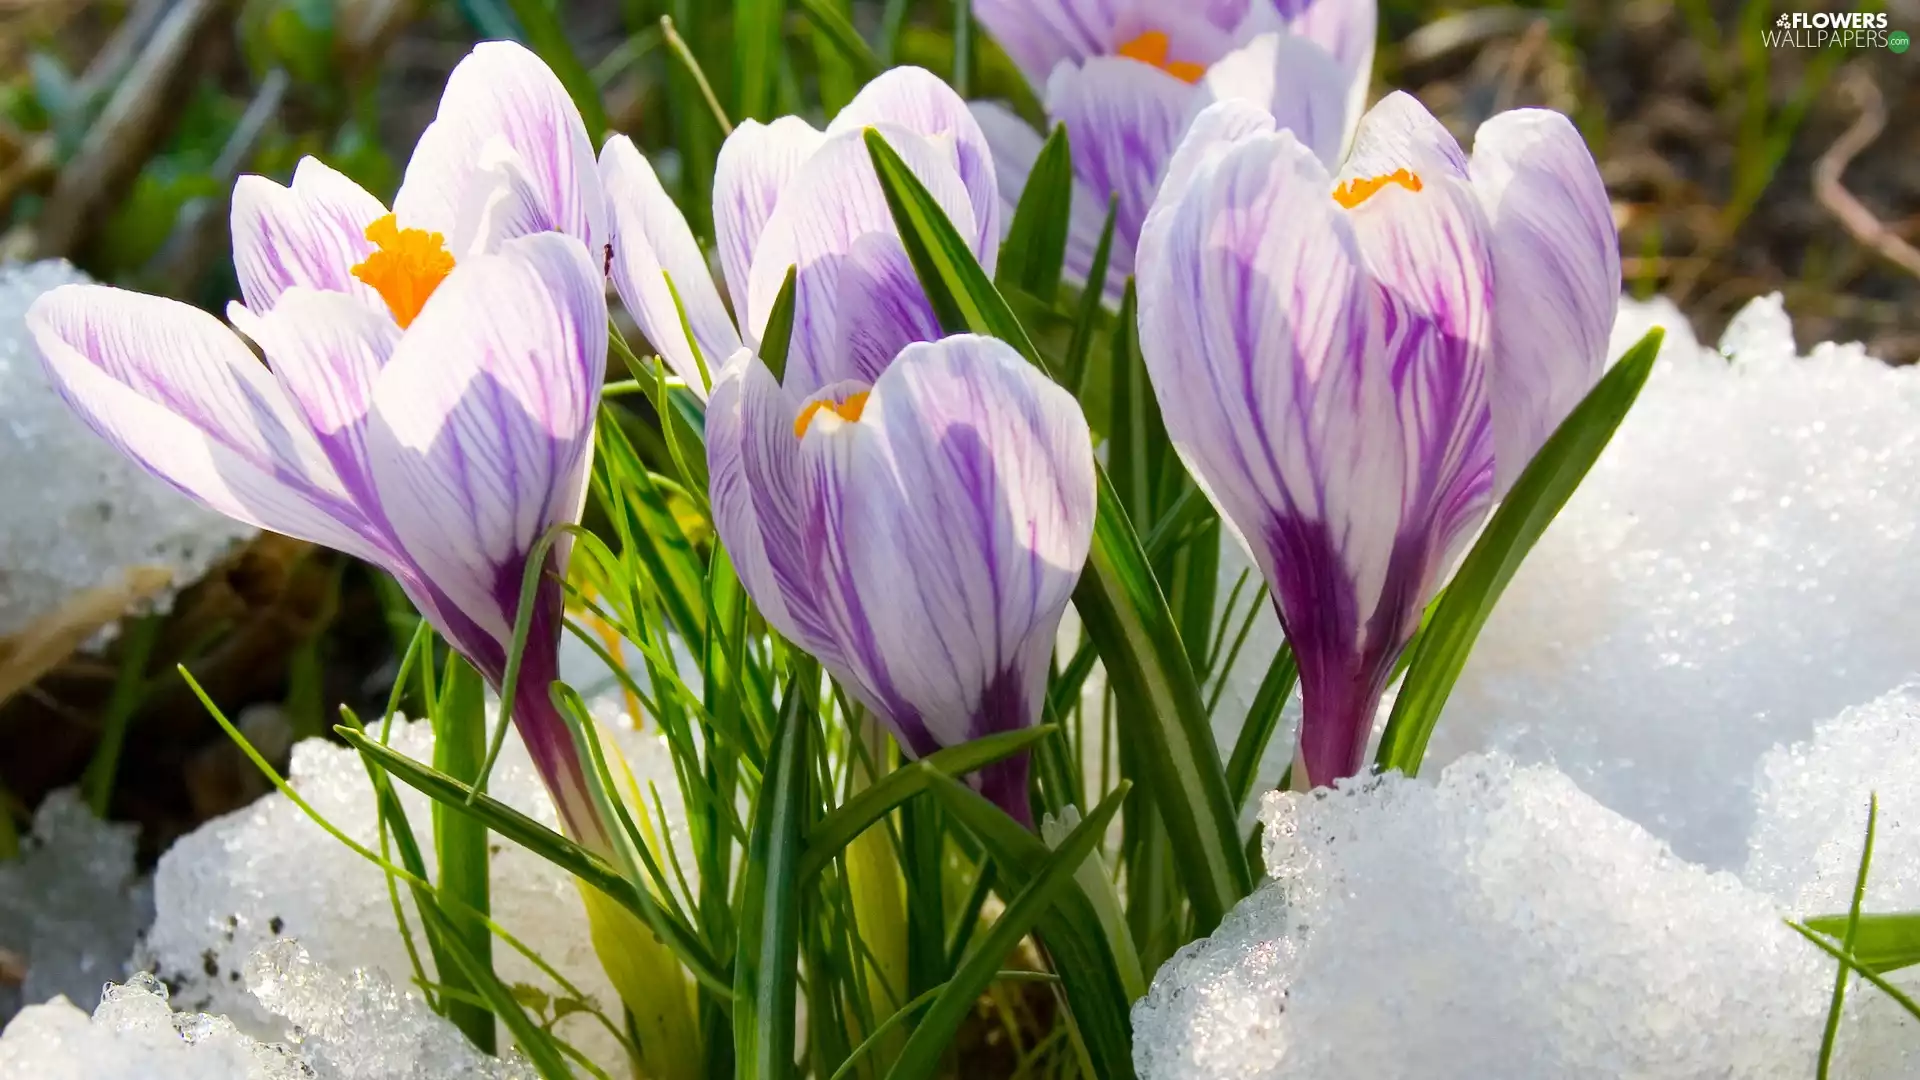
[(1152, 48), (1359, 190), (405, 266), (849, 409)]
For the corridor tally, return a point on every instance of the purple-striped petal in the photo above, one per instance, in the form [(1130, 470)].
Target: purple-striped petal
[(652, 243), (756, 164), (1344, 28), (312, 233), (1295, 80), (833, 202), (502, 91), (1041, 35), (1399, 133), (882, 308), (915, 100), (176, 391), (1556, 276), (327, 350), (483, 419), (1123, 120), (730, 493)]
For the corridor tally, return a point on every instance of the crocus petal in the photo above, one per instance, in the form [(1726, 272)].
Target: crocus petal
[(913, 99), (734, 517), (1344, 28), (1042, 34), (882, 308), (1556, 276), (1124, 120), (756, 164), (1016, 147), (1297, 81), (651, 244), (1399, 133), (327, 350), (311, 234), (172, 388), (502, 200), (835, 200), (503, 90), (971, 491), (1218, 129), (483, 419)]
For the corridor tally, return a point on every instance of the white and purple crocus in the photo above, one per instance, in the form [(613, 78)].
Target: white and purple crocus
[(431, 380), (912, 510), (1356, 365), (1126, 77)]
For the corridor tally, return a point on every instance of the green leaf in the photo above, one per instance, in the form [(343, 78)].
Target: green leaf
[(1882, 943), (653, 534), (777, 339), (767, 959), (1262, 717), (1036, 244), (1050, 882), (1118, 597), (1073, 373), (834, 26), (460, 842), (1847, 941), (1854, 964), (1098, 966), (856, 815), (1543, 488), (756, 56), (518, 828)]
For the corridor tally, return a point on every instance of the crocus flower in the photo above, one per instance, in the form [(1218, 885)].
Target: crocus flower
[(788, 195), (1126, 77), (426, 405), (1354, 365), (914, 515), (919, 534)]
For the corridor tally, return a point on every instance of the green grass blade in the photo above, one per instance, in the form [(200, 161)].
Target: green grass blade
[(524, 831), (1097, 964), (756, 56), (1073, 372), (460, 846), (655, 536), (1853, 964), (1543, 488), (1118, 598), (778, 338), (835, 27), (1847, 940), (766, 963), (1257, 731), (1036, 244), (856, 815), (1054, 878)]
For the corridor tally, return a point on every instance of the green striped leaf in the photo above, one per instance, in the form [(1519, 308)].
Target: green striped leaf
[(1036, 244), (767, 958)]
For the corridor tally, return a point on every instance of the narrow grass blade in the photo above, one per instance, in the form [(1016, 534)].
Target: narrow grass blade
[(1853, 964), (766, 962), (1073, 372), (856, 815), (778, 337), (1036, 244), (1054, 878), (1098, 967), (1119, 599), (654, 534), (834, 25), (1257, 730), (1847, 939), (524, 831), (1543, 488)]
